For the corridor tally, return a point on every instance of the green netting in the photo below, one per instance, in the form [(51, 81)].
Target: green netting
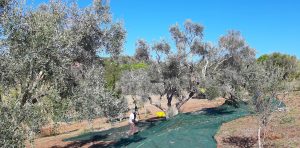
[(278, 104), (195, 129)]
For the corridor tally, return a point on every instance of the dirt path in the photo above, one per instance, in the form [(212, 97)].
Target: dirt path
[(146, 112)]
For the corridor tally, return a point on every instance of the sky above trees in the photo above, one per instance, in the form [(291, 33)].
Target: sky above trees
[(268, 25)]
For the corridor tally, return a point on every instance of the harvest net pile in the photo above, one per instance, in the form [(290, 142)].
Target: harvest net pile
[(184, 130)]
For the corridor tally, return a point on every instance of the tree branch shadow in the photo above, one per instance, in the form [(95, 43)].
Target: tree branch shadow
[(217, 111), (83, 142), (113, 137), (242, 142), (123, 142)]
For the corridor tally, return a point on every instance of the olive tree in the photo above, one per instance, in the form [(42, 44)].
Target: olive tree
[(178, 73), (50, 69), (142, 50), (264, 86), (240, 77), (171, 72), (236, 54)]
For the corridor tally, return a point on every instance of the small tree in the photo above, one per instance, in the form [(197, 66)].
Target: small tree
[(263, 86)]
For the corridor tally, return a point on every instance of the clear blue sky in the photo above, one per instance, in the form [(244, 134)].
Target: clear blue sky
[(267, 25)]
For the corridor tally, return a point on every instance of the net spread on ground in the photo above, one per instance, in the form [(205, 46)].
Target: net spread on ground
[(194, 129)]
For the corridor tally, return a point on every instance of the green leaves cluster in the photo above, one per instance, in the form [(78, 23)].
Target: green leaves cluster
[(49, 66), (114, 70), (286, 62)]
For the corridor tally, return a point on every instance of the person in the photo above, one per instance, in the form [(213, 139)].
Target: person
[(132, 122)]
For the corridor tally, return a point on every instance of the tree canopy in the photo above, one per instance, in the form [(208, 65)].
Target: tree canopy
[(287, 62), (50, 69)]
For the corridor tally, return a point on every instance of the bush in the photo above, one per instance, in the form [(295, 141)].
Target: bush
[(114, 70)]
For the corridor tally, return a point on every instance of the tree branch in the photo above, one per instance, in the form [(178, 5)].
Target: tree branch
[(219, 63), (156, 105), (179, 104)]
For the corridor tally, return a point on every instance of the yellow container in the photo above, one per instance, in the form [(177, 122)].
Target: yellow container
[(160, 114), (202, 90)]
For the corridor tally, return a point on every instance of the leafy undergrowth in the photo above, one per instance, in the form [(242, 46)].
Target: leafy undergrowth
[(283, 131)]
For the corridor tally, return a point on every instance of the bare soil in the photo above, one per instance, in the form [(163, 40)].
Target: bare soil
[(282, 132)]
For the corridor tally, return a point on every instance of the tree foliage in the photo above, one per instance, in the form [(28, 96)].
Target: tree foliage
[(228, 69), (142, 50), (264, 87), (114, 69), (286, 62), (50, 70), (179, 72)]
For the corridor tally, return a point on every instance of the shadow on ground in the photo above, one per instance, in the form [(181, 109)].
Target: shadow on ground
[(217, 111), (242, 142), (97, 141), (123, 142), (83, 142), (115, 137)]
